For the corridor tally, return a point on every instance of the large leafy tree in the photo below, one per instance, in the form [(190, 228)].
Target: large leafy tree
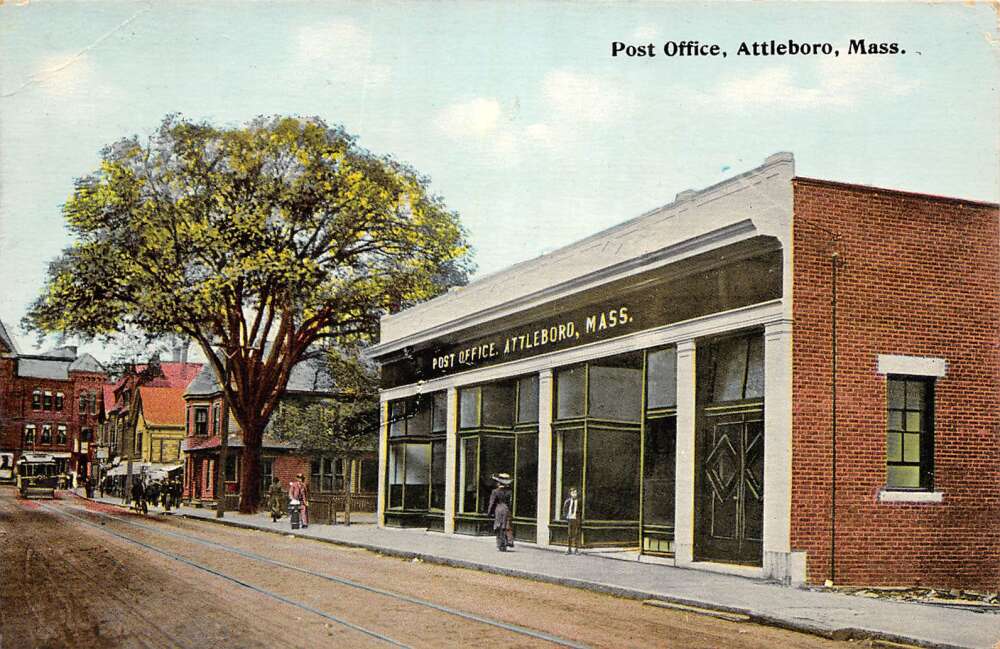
[(345, 423), (259, 243)]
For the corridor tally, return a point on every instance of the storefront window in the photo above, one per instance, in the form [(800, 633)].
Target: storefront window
[(498, 404), (439, 420), (570, 384), (468, 407), (526, 478), (659, 466), (661, 377), (615, 387), (397, 418), (396, 476), (438, 457), (468, 476), (568, 460), (612, 474), (417, 476), (527, 399), (496, 456)]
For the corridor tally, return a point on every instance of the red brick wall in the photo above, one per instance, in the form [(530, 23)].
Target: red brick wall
[(919, 277), (287, 466)]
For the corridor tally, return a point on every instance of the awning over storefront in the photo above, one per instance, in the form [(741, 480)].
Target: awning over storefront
[(151, 471)]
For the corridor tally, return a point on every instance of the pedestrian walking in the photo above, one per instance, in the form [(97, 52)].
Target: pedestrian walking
[(499, 509), (571, 513), (275, 497), (88, 487), (298, 493), (139, 496), (103, 483), (153, 493)]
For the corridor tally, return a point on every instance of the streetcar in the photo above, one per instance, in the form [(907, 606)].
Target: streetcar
[(37, 475)]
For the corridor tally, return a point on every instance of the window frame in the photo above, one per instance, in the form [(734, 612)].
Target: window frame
[(29, 439), (61, 434), (36, 399), (926, 429), (200, 427)]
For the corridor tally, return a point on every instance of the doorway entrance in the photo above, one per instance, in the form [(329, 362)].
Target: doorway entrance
[(729, 451)]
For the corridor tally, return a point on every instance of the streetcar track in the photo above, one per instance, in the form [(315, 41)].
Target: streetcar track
[(538, 635), (235, 580)]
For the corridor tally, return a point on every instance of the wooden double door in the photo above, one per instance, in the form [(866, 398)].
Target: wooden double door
[(729, 487)]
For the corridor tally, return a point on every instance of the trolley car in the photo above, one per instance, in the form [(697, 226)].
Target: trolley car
[(37, 475)]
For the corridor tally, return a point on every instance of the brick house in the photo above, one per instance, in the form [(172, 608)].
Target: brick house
[(207, 415), (50, 403), (775, 376)]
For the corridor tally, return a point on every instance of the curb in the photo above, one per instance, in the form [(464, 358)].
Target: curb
[(839, 634)]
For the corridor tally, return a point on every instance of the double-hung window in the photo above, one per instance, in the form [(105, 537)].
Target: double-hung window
[(910, 433)]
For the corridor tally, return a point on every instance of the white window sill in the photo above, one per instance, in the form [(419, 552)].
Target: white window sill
[(894, 496)]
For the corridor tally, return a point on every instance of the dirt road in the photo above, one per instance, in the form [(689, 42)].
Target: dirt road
[(75, 574)]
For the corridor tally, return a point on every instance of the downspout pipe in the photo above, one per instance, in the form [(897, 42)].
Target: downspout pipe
[(835, 263)]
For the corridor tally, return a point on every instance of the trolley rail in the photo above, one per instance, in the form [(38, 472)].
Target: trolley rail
[(200, 566), (513, 628)]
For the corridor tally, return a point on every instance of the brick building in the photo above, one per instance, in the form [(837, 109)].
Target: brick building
[(698, 372), (207, 416), (50, 403)]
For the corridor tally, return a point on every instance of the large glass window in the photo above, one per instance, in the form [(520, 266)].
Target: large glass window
[(568, 469), (396, 459), (438, 458), (659, 466), (468, 407), (526, 477), (527, 399), (612, 474), (439, 421), (468, 474), (738, 369), (409, 475), (498, 404), (496, 455), (418, 473), (615, 388), (570, 391), (910, 434), (661, 378)]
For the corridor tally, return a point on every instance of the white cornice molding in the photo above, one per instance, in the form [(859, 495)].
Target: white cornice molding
[(734, 233), (757, 315)]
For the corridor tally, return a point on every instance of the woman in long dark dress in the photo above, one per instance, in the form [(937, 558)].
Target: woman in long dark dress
[(500, 509)]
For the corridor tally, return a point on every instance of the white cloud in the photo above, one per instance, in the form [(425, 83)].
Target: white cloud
[(474, 118), (839, 82), (584, 97), (343, 50)]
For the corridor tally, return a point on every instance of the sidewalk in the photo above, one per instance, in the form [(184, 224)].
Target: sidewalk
[(823, 613)]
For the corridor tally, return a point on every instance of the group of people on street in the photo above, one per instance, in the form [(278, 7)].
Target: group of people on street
[(298, 498), (500, 510), (166, 493)]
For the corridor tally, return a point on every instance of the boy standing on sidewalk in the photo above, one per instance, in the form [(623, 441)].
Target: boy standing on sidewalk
[(571, 512)]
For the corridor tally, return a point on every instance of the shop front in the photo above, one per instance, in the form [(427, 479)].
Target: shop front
[(646, 367)]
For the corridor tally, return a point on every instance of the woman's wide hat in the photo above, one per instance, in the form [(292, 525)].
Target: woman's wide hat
[(502, 478)]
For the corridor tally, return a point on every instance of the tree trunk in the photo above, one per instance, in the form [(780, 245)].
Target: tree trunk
[(250, 480)]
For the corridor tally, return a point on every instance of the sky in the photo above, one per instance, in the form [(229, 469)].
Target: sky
[(525, 123)]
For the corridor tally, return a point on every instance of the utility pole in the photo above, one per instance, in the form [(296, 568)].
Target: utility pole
[(220, 503)]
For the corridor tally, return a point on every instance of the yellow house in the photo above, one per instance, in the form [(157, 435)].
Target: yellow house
[(160, 428)]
